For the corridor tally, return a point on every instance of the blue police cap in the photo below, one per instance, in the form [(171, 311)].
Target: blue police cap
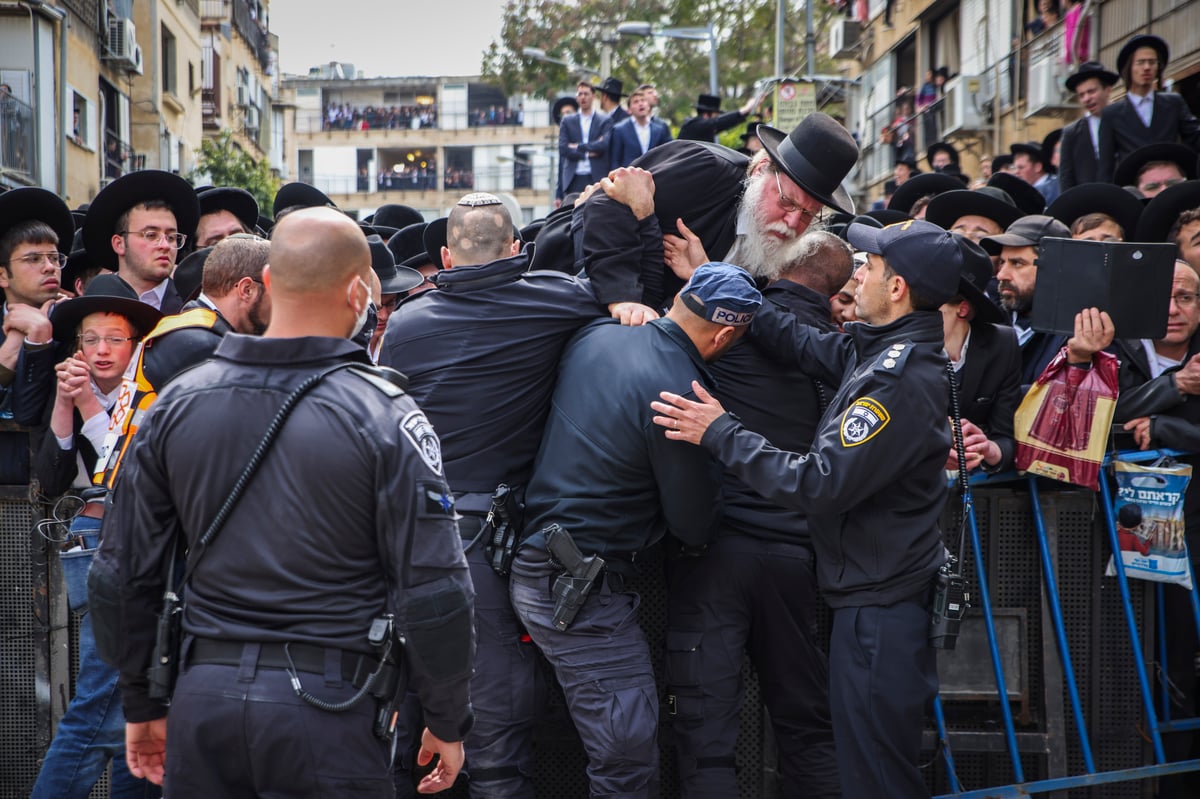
[(722, 293), (925, 255)]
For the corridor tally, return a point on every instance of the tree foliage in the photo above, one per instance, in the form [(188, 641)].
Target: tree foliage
[(224, 164), (572, 31)]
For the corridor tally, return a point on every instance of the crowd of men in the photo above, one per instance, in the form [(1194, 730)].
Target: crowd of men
[(403, 117), (335, 441)]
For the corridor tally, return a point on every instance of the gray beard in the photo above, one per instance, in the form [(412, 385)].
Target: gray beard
[(758, 252)]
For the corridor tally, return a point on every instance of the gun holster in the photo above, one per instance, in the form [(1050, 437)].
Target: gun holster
[(390, 683), (168, 636), (572, 588), (502, 528)]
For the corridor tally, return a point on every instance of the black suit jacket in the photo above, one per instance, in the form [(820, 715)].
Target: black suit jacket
[(570, 131), (1078, 162), (989, 385), (56, 468), (1122, 131)]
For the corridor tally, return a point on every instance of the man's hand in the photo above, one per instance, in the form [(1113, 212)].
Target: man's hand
[(588, 191), (633, 187), (146, 749), (1187, 379), (32, 323), (73, 376), (450, 761), (683, 253), (1140, 427), (976, 446), (632, 314), (1094, 331), (684, 419)]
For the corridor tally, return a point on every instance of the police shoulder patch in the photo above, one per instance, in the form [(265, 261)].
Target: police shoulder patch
[(862, 421), (419, 431), (434, 500)]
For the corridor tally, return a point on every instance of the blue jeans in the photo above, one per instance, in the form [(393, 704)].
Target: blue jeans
[(92, 731)]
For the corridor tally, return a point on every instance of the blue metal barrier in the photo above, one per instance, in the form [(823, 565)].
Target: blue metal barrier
[(1155, 725)]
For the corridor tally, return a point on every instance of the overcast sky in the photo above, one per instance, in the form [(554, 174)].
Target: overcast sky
[(389, 39)]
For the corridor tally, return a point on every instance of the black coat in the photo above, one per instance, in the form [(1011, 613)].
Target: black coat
[(56, 468), (1122, 130), (1078, 162), (699, 128)]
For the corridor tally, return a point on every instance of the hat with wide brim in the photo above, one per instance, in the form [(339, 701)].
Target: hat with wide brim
[(887, 216), (708, 104), (1000, 162), (612, 87), (1091, 69), (189, 274), (1098, 198), (1029, 148), (989, 202), (560, 105), (392, 279), (238, 202), (1026, 197), (923, 185), (297, 194), (395, 216), (408, 246), (1162, 211), (973, 280), (941, 147), (34, 204), (1048, 144), (1156, 43), (123, 194), (817, 155), (1126, 173), (105, 294)]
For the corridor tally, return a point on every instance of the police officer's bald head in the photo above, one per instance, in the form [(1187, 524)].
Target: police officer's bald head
[(478, 231), (314, 250)]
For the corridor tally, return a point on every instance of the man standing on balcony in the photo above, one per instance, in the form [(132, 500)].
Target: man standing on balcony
[(1079, 156), (582, 142)]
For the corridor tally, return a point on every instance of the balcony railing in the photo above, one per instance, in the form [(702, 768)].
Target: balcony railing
[(214, 9), (18, 153), (119, 157)]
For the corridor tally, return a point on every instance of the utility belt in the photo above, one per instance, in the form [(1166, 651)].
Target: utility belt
[(351, 667), (500, 532)]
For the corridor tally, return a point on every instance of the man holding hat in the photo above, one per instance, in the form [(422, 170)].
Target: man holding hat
[(873, 486), (136, 225), (612, 486), (709, 121), (1146, 114), (1079, 152)]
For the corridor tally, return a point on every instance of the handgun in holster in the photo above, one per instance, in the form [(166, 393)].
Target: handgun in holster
[(503, 525), (571, 589)]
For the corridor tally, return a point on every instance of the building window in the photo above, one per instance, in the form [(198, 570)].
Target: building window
[(168, 61), (81, 126)]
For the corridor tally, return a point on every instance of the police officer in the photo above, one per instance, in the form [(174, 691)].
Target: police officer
[(347, 518), (873, 486), (615, 487), (481, 355)]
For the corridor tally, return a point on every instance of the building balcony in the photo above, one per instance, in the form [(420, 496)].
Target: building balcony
[(214, 11), (18, 142), (309, 134)]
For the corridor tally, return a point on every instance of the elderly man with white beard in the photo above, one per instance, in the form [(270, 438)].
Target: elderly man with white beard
[(724, 205)]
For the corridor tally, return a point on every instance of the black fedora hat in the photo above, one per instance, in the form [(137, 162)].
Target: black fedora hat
[(708, 104), (189, 274), (817, 155), (33, 204), (393, 279), (1091, 69), (105, 294), (77, 263), (1001, 162), (887, 216), (238, 202), (1027, 198), (941, 147), (395, 216), (612, 87), (408, 246), (1160, 213), (291, 195), (434, 238), (973, 280), (1126, 173), (1156, 43), (924, 185), (1029, 148), (265, 223), (1048, 144), (989, 202), (1098, 198), (127, 191), (955, 171), (559, 109)]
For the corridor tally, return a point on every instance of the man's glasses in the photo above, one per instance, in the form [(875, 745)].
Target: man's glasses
[(154, 236), (1162, 184), (1185, 299), (91, 341), (789, 205), (34, 259)]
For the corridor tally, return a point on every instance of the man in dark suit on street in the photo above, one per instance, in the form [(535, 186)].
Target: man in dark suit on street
[(635, 135), (1079, 154), (1146, 114), (583, 140)]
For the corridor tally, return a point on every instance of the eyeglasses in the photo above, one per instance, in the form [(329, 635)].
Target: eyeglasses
[(1185, 299), (34, 259), (1162, 184), (153, 235), (91, 341), (789, 205)]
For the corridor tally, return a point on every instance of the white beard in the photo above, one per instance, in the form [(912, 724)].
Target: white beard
[(757, 251)]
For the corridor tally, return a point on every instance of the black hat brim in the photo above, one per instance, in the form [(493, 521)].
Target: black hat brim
[(947, 208), (1162, 211), (986, 311), (1028, 199), (919, 186), (1103, 75), (406, 279), (124, 193), (771, 138), (888, 216), (434, 238), (34, 204), (189, 274), (299, 194), (238, 202), (67, 316), (1126, 173), (1098, 198)]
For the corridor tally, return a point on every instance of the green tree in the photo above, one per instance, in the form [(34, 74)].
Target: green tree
[(225, 164)]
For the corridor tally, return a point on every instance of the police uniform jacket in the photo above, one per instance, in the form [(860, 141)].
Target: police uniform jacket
[(481, 355), (872, 483), (605, 472), (780, 402), (347, 516), (1077, 162), (1122, 130), (989, 385)]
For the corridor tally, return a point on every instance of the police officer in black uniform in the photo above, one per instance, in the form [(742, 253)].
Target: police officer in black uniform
[(481, 354), (605, 477), (347, 519), (873, 486)]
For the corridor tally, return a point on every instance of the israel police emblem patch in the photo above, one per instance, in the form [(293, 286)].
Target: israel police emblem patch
[(424, 439), (862, 421)]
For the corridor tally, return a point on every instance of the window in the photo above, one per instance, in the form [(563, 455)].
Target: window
[(81, 121), (168, 61)]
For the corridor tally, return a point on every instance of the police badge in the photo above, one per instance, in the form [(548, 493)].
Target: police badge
[(862, 421), (420, 432)]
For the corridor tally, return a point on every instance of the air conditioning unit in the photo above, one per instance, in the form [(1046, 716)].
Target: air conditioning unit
[(252, 119), (122, 43), (1047, 92), (137, 65), (965, 106), (844, 36), (243, 95)]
